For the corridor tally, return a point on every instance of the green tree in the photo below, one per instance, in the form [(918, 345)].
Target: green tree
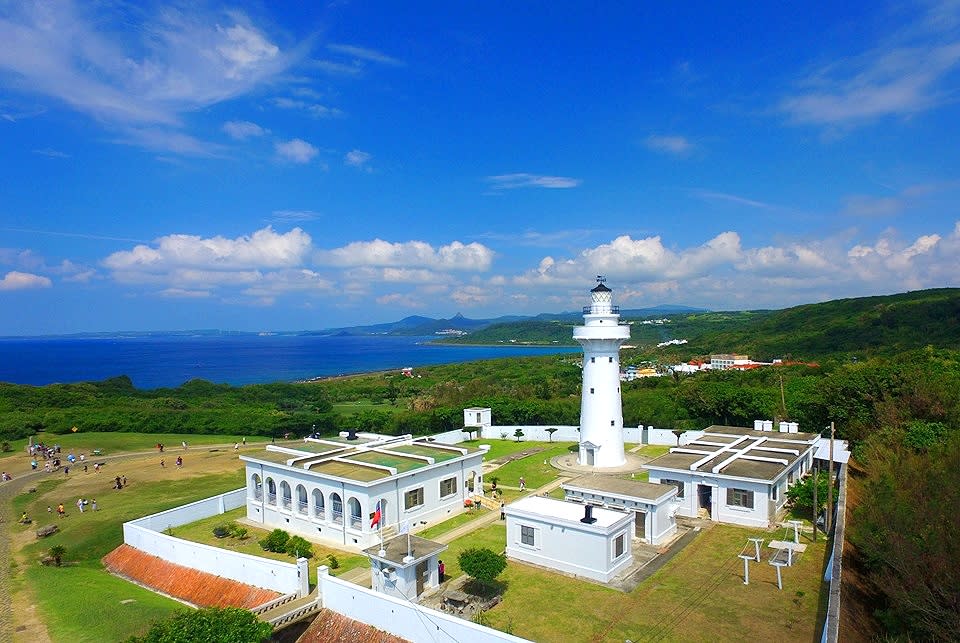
[(800, 495), (551, 431), (57, 552), (518, 434), (210, 625), (275, 541), (299, 547), (482, 564)]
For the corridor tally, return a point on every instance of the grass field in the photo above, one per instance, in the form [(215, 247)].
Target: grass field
[(532, 467), (81, 601), (202, 532), (452, 523), (697, 596)]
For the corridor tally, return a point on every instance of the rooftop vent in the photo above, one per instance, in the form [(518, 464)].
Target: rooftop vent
[(588, 515), (352, 434)]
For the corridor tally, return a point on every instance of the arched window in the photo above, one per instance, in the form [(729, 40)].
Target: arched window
[(337, 506), (256, 487), (356, 519), (301, 499), (319, 510), (286, 498), (271, 492)]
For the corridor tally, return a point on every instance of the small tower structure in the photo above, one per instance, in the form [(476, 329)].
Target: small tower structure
[(601, 408)]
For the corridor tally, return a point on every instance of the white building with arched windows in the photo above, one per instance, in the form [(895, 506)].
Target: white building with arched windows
[(328, 489)]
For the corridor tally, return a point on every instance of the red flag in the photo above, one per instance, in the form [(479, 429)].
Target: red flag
[(375, 520)]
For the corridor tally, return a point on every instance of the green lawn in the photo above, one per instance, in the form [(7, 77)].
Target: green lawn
[(81, 601), (653, 450), (698, 596), (452, 523), (202, 532), (112, 443), (501, 448), (532, 468)]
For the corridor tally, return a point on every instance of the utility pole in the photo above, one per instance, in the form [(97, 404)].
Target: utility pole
[(830, 483), (783, 399), (815, 485)]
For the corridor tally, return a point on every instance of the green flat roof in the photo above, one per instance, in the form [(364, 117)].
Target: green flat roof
[(398, 462), (274, 456), (350, 471), (439, 455), (316, 447)]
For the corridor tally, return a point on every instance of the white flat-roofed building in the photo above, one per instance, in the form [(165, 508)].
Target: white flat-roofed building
[(405, 566), (735, 474), (550, 533), (652, 505), (328, 489)]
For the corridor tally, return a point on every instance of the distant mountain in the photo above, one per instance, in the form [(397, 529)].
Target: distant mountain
[(419, 325)]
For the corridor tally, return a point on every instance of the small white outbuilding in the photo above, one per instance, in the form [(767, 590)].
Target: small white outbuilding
[(405, 566), (577, 539)]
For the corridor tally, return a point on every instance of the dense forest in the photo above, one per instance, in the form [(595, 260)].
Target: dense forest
[(887, 373)]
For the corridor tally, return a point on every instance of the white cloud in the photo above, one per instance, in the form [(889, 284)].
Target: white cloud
[(296, 151), (400, 300), (263, 249), (167, 63), (314, 109), (182, 293), (365, 54), (525, 180), (242, 130), (907, 73), (709, 195), (357, 158), (675, 145), (859, 205), (51, 153), (15, 280), (287, 216), (454, 256)]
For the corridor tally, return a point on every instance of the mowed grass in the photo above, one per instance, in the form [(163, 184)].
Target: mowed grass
[(202, 532), (450, 524), (698, 596), (80, 600), (501, 448), (531, 467), (113, 444), (84, 603)]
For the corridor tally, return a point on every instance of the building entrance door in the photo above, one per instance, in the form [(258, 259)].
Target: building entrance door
[(421, 572), (589, 457), (705, 498), (640, 522)]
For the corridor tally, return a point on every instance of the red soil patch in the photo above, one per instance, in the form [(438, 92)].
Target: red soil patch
[(330, 626), (196, 587)]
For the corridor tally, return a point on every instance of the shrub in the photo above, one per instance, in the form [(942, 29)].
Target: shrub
[(236, 531), (57, 553), (5, 447), (482, 564), (299, 548), (213, 625), (332, 560), (221, 531), (276, 541)]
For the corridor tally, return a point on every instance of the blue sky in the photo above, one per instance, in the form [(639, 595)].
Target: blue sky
[(261, 166)]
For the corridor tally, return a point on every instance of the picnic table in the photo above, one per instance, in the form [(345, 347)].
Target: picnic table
[(97, 452), (456, 600)]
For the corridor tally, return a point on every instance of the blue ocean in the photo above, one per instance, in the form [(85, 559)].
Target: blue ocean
[(171, 360)]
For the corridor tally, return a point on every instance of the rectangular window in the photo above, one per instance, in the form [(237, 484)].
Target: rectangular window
[(740, 498), (611, 360), (591, 390), (776, 492), (447, 487), (676, 483), (618, 547), (413, 498), (527, 535), (593, 360)]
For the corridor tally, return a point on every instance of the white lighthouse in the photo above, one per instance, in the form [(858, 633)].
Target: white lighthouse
[(601, 409)]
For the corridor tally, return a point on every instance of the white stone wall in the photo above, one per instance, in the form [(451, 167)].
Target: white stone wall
[(402, 618), (143, 534)]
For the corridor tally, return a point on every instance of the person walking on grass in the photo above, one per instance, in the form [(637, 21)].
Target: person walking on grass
[(61, 511), (93, 504), (163, 464), (80, 504)]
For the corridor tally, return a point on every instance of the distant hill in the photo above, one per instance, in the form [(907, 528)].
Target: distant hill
[(869, 325), (418, 325)]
